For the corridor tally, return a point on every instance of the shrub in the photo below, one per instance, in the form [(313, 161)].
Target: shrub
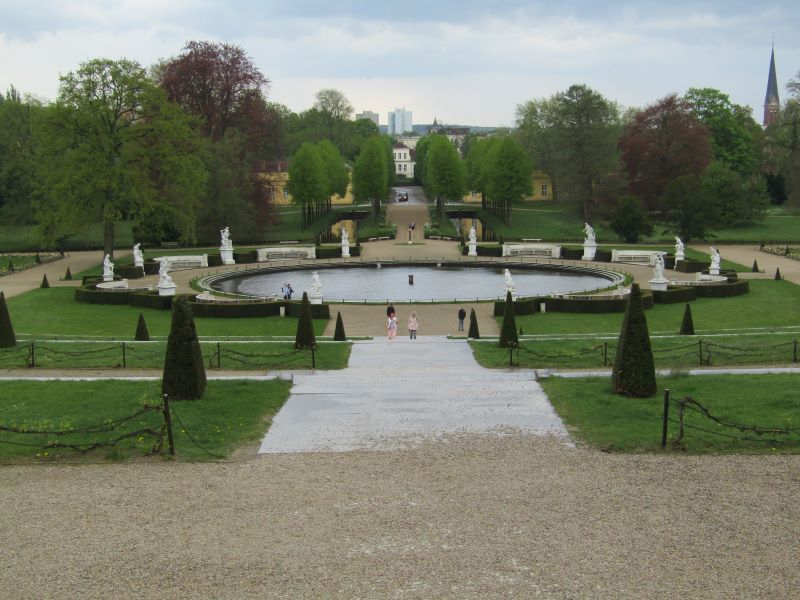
[(45, 284), (184, 374), (629, 220), (10, 265), (675, 294), (755, 267), (634, 373), (473, 326), (508, 333), (687, 325), (339, 334), (305, 339), (142, 335), (7, 337), (778, 274), (68, 275)]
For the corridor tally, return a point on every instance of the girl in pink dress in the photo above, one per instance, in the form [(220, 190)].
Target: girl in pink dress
[(391, 326), (413, 325)]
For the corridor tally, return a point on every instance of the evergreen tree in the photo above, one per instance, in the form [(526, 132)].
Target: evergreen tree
[(10, 266), (184, 373), (508, 333), (687, 325), (7, 337), (339, 334), (68, 275), (305, 339), (142, 335), (778, 276), (45, 284), (473, 326), (755, 267), (634, 373)]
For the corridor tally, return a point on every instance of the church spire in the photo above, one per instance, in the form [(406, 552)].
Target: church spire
[(772, 103)]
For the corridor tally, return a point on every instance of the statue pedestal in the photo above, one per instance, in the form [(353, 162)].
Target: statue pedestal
[(346, 250), (315, 298), (107, 277), (679, 256), (713, 271), (473, 249), (226, 254), (589, 251), (658, 284), (138, 262), (166, 290)]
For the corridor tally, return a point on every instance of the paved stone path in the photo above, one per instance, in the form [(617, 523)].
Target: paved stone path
[(402, 391)]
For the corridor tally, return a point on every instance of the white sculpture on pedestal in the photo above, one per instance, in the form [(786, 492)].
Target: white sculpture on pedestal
[(226, 247), (345, 243), (679, 249), (715, 260), (473, 242), (589, 243), (315, 296), (108, 268), (166, 287), (138, 256), (658, 282), (509, 283)]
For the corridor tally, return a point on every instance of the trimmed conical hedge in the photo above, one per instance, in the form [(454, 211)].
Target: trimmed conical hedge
[(755, 267), (45, 284), (7, 337), (687, 325), (184, 373), (338, 333), (305, 339), (473, 325), (634, 373), (508, 333), (778, 276), (10, 266), (38, 259), (142, 335), (68, 275)]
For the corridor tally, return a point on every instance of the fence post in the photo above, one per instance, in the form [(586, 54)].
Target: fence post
[(794, 352), (124, 359), (168, 422), (605, 354), (219, 356), (665, 419), (700, 350), (313, 357), (33, 355)]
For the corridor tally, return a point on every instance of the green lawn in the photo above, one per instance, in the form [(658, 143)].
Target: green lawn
[(54, 311), (598, 418), (232, 414)]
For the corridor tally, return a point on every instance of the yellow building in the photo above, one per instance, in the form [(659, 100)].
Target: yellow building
[(276, 174), (542, 189)]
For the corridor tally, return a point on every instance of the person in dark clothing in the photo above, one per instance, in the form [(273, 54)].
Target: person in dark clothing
[(462, 314), (389, 310)]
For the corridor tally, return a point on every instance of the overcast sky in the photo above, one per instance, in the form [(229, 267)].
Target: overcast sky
[(463, 61)]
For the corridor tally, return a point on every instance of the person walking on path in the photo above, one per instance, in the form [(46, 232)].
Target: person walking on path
[(389, 310), (391, 326), (413, 325), (462, 314)]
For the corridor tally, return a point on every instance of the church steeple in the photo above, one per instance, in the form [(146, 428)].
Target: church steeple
[(772, 103)]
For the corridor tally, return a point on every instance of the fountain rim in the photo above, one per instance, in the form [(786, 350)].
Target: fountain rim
[(205, 283)]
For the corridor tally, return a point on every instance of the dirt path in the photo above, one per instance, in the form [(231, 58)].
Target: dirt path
[(768, 263), (23, 281)]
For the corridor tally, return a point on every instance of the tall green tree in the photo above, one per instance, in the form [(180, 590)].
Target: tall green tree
[(538, 129), (19, 133), (783, 147), (115, 146), (476, 163), (445, 174), (308, 182), (508, 174), (336, 110), (336, 174), (371, 174), (740, 198)]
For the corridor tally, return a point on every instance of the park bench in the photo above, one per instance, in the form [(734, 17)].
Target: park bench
[(184, 262), (285, 253), (642, 257), (543, 250), (169, 244)]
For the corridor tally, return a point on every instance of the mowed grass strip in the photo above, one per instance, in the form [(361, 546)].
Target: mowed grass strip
[(232, 414), (598, 418)]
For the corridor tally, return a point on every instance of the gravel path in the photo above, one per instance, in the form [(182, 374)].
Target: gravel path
[(465, 517)]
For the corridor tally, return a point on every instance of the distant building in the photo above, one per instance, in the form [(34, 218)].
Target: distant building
[(275, 175), (399, 121), (409, 141), (404, 160), (456, 135), (772, 103), (368, 114)]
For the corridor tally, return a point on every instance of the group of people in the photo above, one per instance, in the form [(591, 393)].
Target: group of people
[(287, 291), (391, 323)]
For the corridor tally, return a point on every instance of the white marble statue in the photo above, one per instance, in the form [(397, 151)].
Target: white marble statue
[(658, 270), (589, 231), (715, 260), (679, 248), (345, 237), (225, 237), (138, 255), (316, 284), (108, 268), (473, 235), (164, 278), (509, 281)]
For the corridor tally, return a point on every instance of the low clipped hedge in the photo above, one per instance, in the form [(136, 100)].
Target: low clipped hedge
[(129, 272), (723, 290), (528, 306), (572, 253), (214, 260), (151, 267), (336, 251), (691, 266), (90, 295), (248, 256), (588, 305), (150, 300), (484, 250), (602, 255), (674, 295)]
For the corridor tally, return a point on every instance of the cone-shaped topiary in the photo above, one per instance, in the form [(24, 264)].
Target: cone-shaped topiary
[(755, 267), (7, 337), (305, 339), (508, 333), (38, 259), (184, 374), (687, 325), (778, 274), (634, 373), (339, 334), (142, 335), (45, 284), (68, 275), (10, 266), (473, 325)]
